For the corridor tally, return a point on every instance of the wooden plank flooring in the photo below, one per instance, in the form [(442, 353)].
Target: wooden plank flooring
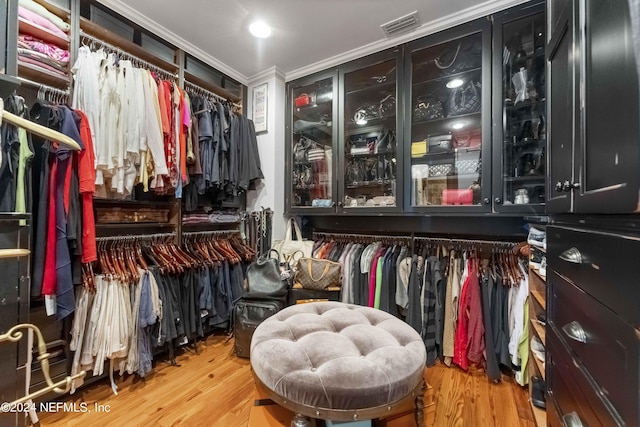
[(215, 388)]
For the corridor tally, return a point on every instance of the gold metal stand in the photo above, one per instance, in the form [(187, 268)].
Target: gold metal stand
[(14, 335)]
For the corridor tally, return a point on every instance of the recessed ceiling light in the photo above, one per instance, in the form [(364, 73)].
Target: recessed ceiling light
[(452, 84), (458, 125), (260, 29)]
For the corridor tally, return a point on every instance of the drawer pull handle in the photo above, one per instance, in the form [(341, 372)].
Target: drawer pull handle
[(576, 332), (571, 420), (572, 255)]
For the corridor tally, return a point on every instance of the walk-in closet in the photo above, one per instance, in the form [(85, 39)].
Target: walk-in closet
[(309, 214)]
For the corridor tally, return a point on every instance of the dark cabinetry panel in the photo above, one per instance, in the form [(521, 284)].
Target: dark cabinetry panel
[(592, 324), (594, 129)]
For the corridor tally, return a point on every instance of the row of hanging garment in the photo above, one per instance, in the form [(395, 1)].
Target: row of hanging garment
[(149, 294), (139, 124), (56, 185), (469, 310), (222, 153), (147, 130)]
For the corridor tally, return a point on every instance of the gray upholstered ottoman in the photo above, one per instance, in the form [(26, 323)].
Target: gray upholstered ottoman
[(339, 362)]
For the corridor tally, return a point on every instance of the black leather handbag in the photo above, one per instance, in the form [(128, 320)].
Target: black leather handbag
[(465, 99), (264, 280)]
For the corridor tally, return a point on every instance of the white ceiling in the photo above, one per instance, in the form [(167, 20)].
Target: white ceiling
[(305, 32)]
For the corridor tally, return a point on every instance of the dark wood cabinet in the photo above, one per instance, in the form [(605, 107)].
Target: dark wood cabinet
[(563, 87), (519, 110), (594, 132), (456, 147), (592, 323)]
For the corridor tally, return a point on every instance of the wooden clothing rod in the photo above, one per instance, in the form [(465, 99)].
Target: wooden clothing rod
[(436, 240), (361, 236), (197, 90), (210, 233), (139, 61), (137, 237)]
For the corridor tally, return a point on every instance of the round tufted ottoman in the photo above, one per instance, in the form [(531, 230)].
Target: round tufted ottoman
[(339, 362)]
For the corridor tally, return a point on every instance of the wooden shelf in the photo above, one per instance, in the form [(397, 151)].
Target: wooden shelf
[(35, 30), (125, 45), (538, 364), (540, 299), (539, 330), (211, 87), (540, 415), (537, 274), (37, 74)]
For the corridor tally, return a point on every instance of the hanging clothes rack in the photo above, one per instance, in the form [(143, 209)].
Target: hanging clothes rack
[(197, 90), (210, 233), (141, 63), (152, 238), (194, 89), (46, 88), (37, 129), (493, 244), (367, 237)]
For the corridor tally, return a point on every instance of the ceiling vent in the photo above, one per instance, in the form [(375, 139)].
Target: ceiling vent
[(401, 25)]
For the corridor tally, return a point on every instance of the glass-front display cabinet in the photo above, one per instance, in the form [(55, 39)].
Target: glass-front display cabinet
[(311, 139), (448, 117), (520, 106), (369, 135)]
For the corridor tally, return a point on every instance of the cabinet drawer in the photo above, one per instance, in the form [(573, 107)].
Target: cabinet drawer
[(571, 391), (611, 353), (596, 263)]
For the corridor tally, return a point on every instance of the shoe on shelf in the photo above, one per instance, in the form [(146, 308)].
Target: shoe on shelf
[(543, 268), (537, 348), (538, 390)]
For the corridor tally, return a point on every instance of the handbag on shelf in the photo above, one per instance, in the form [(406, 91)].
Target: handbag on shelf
[(385, 142), (467, 55), (428, 107), (464, 99), (318, 274), (471, 139), (263, 280), (439, 143), (315, 153), (457, 196), (287, 247), (304, 100), (419, 148), (366, 113), (387, 107), (301, 149)]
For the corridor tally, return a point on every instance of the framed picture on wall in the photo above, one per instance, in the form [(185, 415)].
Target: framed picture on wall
[(260, 108)]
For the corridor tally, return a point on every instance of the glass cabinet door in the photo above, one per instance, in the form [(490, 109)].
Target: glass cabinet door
[(312, 140), (446, 146), (369, 137), (522, 103)]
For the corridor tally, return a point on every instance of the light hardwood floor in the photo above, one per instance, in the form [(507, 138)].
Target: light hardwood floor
[(215, 388)]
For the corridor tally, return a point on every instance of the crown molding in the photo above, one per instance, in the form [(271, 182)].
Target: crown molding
[(130, 13), (266, 74), (471, 13)]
